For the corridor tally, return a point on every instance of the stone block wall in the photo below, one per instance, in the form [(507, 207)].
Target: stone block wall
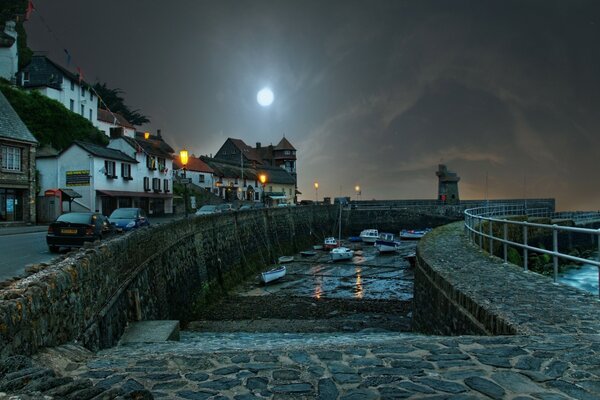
[(159, 272)]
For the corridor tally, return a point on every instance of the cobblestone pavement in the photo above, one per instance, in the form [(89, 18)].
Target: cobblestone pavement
[(350, 366)]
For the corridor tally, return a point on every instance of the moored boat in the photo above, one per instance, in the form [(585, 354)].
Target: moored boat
[(285, 259), (412, 234), (355, 239), (341, 253), (330, 243), (369, 235), (386, 243), (274, 274), (308, 253)]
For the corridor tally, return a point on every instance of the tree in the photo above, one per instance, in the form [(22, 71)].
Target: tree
[(113, 99)]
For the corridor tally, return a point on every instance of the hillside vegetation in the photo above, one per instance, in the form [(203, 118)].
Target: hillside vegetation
[(49, 121)]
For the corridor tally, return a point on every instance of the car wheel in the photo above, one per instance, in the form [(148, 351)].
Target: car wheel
[(53, 249)]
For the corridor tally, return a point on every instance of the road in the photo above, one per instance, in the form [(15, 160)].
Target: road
[(16, 251)]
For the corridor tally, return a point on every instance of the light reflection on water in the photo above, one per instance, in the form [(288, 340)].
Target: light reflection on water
[(358, 291)]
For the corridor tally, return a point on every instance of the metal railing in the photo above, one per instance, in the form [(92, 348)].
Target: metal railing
[(480, 223)]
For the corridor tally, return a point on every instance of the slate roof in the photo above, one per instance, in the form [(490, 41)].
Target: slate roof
[(227, 169), (284, 144), (41, 69), (194, 164), (250, 153), (154, 145), (108, 117), (11, 126), (104, 152)]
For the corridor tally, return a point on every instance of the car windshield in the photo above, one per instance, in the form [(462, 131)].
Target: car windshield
[(208, 208), (124, 213), (75, 218)]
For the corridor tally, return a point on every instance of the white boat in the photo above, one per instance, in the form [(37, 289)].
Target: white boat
[(271, 275), (330, 243), (412, 234), (308, 253), (386, 243), (369, 235), (341, 253), (285, 259)]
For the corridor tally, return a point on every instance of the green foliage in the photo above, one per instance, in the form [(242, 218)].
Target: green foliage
[(49, 121), (514, 257), (116, 103)]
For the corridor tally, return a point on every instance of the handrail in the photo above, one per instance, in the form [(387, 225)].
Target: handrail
[(500, 214)]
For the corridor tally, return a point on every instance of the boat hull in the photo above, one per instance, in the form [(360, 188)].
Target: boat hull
[(274, 274), (341, 253), (369, 235), (385, 246)]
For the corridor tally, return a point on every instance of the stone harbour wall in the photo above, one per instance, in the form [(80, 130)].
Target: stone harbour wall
[(160, 272)]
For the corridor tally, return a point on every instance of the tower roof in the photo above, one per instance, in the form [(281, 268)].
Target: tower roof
[(284, 144)]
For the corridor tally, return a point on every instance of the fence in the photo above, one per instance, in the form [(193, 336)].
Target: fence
[(476, 220)]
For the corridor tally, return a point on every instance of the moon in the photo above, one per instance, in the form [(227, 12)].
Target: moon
[(265, 97)]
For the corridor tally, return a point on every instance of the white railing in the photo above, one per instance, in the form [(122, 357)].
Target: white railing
[(498, 215)]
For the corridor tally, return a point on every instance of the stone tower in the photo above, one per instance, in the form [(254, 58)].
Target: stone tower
[(447, 185)]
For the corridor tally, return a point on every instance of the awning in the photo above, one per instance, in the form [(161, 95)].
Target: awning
[(71, 193), (118, 193), (278, 197)]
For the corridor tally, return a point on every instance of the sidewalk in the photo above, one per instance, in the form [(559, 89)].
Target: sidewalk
[(16, 230)]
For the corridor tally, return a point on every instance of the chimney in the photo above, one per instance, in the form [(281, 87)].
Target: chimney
[(258, 145), (158, 134), (116, 133)]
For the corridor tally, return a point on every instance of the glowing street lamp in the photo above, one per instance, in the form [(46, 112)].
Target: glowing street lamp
[(357, 190), (316, 192), (146, 135), (183, 158), (263, 180)]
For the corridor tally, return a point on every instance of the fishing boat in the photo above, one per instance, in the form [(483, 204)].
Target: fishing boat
[(330, 243), (308, 253), (274, 274), (386, 243), (369, 235), (285, 259), (340, 253), (412, 234)]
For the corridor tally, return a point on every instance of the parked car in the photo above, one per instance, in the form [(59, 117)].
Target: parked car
[(74, 229), (245, 207), (225, 207), (107, 227), (126, 219), (207, 209)]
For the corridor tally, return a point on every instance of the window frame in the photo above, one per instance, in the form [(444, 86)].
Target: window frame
[(126, 171), (110, 166), (16, 158), (146, 184)]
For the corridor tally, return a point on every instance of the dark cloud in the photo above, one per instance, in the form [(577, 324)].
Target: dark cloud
[(374, 93)]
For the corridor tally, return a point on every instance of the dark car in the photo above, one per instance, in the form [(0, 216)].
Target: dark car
[(126, 219), (74, 229)]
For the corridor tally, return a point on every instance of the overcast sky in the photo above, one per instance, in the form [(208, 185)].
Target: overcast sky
[(374, 93)]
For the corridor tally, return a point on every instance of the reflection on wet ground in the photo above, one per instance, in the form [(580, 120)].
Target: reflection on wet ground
[(369, 275)]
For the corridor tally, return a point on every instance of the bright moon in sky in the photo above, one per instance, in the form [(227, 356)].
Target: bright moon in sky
[(265, 97)]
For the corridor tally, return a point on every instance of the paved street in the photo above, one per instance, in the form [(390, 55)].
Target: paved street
[(18, 250)]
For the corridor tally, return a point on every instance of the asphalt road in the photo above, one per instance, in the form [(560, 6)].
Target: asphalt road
[(16, 251)]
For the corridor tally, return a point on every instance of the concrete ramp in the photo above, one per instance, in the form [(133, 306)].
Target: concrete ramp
[(150, 332)]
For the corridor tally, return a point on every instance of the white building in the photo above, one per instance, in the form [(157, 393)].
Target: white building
[(9, 58), (199, 172), (58, 83), (108, 120)]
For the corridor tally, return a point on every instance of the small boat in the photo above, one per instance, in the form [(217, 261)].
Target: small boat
[(271, 275), (386, 243), (355, 239), (341, 253), (411, 234), (308, 253), (285, 259), (330, 243), (317, 247), (369, 235)]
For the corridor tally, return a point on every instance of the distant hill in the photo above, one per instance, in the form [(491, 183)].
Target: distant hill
[(49, 121)]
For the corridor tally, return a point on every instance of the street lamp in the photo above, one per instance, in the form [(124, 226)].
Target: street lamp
[(317, 192), (183, 157), (357, 189), (263, 180)]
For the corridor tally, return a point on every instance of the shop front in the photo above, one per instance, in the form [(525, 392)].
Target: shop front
[(11, 204)]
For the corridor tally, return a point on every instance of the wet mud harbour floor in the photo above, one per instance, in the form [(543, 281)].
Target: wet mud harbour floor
[(371, 292)]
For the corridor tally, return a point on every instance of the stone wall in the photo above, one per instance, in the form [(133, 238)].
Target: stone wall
[(460, 290), (161, 272)]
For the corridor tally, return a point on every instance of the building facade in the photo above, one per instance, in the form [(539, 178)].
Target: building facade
[(9, 57), (17, 168), (108, 120), (197, 171), (60, 84)]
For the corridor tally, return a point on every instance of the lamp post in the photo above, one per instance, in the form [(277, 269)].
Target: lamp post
[(263, 181), (357, 189), (317, 192), (183, 157)]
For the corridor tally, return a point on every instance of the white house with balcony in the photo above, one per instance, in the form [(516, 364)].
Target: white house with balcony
[(60, 84)]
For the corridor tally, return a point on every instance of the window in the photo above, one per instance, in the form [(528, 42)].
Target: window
[(287, 152), (156, 184), (72, 105), (90, 114), (72, 86), (91, 96), (166, 185), (146, 184), (290, 192), (245, 182), (26, 77), (82, 91), (109, 167), (201, 178), (126, 171), (256, 196), (236, 181), (11, 158), (82, 110), (161, 164), (150, 162)]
